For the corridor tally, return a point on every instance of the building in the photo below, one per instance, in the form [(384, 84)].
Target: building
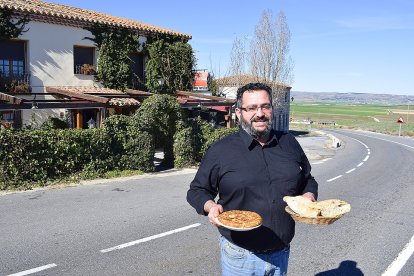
[(49, 69), (281, 97)]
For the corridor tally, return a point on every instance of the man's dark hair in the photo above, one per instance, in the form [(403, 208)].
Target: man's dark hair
[(252, 87)]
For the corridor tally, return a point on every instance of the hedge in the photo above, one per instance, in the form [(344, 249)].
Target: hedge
[(29, 156)]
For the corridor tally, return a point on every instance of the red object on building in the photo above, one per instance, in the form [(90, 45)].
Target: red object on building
[(201, 80)]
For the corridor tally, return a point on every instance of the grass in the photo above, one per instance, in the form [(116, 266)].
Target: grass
[(377, 118)]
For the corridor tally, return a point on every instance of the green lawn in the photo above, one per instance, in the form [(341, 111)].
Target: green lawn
[(379, 118)]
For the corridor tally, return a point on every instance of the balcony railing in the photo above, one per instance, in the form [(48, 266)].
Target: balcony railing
[(15, 84), (85, 69)]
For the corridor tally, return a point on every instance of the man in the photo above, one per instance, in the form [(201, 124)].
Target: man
[(253, 170)]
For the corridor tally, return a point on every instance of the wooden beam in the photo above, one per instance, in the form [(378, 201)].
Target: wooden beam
[(138, 92), (215, 98), (10, 99), (77, 95)]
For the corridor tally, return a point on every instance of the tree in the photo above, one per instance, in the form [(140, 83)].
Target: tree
[(269, 49), (237, 61), (11, 25)]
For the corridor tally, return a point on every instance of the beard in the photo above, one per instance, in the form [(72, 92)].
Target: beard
[(247, 125)]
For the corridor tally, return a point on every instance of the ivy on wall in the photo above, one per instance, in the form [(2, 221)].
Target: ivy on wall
[(114, 63), (12, 25), (170, 66)]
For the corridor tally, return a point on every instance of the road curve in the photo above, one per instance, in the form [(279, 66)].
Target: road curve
[(375, 174)]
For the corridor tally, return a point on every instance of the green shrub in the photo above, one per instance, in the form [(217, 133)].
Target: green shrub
[(158, 116), (217, 135), (53, 123), (189, 140)]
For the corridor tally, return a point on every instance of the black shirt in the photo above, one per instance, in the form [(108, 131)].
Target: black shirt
[(248, 176)]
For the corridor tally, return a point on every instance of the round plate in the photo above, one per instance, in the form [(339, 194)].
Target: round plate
[(235, 228)]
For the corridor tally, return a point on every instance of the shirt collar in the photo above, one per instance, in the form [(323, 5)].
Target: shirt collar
[(251, 143)]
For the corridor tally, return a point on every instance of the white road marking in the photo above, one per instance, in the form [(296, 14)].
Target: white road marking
[(33, 270), (400, 261), (366, 158), (321, 161), (332, 179), (386, 140), (360, 164), (150, 238), (351, 170)]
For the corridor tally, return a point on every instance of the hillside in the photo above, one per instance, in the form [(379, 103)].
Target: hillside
[(357, 98)]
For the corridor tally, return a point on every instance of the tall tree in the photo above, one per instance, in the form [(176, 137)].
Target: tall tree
[(269, 50)]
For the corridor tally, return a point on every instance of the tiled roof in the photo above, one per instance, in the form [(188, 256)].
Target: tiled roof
[(116, 97), (240, 80), (65, 15)]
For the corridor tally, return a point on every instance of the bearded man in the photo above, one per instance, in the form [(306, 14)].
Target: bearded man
[(253, 170)]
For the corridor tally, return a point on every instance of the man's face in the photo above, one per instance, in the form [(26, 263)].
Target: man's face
[(255, 115)]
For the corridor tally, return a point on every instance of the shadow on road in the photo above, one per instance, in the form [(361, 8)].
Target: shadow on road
[(346, 268)]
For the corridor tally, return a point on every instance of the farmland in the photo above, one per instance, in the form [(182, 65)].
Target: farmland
[(372, 117)]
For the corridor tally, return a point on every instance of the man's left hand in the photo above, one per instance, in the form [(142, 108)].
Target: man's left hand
[(309, 196)]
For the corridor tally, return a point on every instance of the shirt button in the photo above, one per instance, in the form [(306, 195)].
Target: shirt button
[(273, 201)]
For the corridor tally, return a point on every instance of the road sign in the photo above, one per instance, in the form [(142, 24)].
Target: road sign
[(400, 120)]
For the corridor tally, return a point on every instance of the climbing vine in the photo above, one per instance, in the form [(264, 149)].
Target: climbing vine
[(11, 24), (114, 63), (170, 66)]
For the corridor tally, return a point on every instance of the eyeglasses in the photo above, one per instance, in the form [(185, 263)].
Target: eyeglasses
[(251, 109)]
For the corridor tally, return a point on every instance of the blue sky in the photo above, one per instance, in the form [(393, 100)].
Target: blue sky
[(364, 46)]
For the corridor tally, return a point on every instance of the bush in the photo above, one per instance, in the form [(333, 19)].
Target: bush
[(53, 123), (158, 116), (189, 140), (132, 148), (217, 135)]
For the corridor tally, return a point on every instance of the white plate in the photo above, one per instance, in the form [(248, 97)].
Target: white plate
[(235, 228)]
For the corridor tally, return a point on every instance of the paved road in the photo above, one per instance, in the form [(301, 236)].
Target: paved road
[(143, 226)]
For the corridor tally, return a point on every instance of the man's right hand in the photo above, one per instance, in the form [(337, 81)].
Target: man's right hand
[(213, 210)]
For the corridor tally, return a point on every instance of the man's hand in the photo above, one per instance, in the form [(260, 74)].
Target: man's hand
[(213, 210), (309, 196)]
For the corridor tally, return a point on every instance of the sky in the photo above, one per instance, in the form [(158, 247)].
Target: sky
[(362, 46)]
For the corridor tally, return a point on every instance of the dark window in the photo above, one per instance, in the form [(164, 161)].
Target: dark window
[(137, 66), (12, 62), (83, 56)]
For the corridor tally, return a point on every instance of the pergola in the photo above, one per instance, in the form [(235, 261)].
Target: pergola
[(77, 99)]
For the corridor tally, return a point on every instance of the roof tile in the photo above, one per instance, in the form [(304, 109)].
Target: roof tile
[(80, 17)]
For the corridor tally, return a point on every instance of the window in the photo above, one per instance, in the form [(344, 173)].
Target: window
[(137, 66), (84, 58), (12, 62)]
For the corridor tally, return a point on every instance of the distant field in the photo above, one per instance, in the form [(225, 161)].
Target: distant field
[(378, 118)]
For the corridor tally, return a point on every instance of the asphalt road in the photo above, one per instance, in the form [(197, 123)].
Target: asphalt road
[(144, 226)]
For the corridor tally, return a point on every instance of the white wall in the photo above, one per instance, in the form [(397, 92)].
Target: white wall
[(50, 55), (50, 61)]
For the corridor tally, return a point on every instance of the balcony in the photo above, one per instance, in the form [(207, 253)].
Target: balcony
[(15, 84), (85, 69)]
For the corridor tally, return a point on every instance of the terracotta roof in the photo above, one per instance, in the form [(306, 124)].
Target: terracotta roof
[(111, 96), (241, 80), (66, 15)]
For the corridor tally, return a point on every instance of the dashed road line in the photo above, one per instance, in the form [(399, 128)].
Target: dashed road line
[(121, 246), (332, 179), (351, 170), (359, 165), (33, 270)]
